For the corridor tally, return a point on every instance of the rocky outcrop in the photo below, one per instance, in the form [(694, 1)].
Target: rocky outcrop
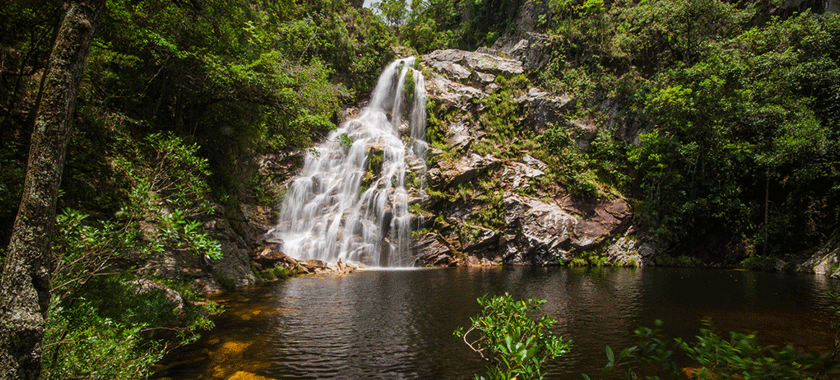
[(825, 261), (434, 250), (493, 208), (532, 49)]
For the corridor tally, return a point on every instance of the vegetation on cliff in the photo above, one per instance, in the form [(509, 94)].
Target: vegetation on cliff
[(719, 120)]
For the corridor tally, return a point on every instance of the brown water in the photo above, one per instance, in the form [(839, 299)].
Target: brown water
[(399, 324)]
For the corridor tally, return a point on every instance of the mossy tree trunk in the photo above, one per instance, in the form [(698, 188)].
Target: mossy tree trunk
[(25, 284)]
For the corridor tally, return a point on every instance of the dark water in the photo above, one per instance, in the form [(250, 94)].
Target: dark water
[(399, 324)]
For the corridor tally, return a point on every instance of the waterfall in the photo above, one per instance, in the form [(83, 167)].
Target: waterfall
[(351, 199)]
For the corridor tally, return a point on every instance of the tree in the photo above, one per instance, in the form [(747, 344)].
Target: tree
[(25, 283)]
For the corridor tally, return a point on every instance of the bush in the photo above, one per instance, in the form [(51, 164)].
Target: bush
[(713, 357), (665, 260), (759, 263), (515, 344)]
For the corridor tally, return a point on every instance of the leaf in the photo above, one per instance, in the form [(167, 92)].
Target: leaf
[(610, 355)]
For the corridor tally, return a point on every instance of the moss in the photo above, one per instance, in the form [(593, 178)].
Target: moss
[(224, 281), (408, 87), (577, 262), (279, 273)]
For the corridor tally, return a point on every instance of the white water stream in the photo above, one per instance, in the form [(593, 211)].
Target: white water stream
[(350, 201)]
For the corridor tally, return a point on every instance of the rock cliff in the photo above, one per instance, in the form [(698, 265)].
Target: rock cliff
[(489, 201)]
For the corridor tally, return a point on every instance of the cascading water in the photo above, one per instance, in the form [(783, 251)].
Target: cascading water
[(351, 199)]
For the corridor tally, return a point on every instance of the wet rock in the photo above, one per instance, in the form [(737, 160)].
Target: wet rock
[(482, 244), (529, 13), (433, 250), (257, 220), (313, 266), (492, 64), (629, 250), (521, 176), (269, 258), (458, 135), (448, 63), (822, 260), (459, 64)]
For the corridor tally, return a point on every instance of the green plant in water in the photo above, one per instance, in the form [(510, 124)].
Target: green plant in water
[(345, 141), (713, 357), (515, 344)]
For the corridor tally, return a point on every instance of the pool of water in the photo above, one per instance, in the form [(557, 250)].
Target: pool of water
[(399, 324)]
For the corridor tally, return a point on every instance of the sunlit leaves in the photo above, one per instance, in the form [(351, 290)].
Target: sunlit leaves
[(515, 344)]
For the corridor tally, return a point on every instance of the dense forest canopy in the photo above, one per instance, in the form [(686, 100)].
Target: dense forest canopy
[(736, 107)]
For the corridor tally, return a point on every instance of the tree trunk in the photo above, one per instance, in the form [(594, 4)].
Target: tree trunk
[(25, 284)]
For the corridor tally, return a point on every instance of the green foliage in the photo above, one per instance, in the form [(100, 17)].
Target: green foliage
[(345, 141), (569, 165), (515, 344), (715, 357), (738, 105), (279, 273), (393, 11), (665, 260), (500, 118), (82, 344), (760, 263), (104, 322), (491, 194), (578, 262), (466, 24)]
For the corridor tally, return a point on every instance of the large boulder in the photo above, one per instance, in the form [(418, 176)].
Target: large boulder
[(532, 49), (433, 250), (234, 268)]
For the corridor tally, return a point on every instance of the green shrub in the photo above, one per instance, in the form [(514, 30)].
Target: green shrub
[(759, 263), (515, 344), (712, 357), (665, 260)]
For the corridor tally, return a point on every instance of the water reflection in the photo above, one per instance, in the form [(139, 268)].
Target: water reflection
[(398, 324)]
